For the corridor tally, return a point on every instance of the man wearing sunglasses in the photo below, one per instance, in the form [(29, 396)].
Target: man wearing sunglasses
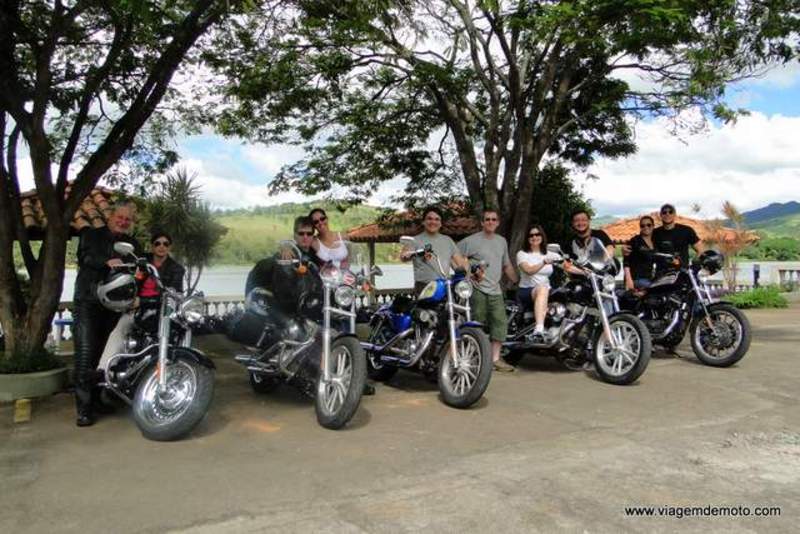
[(261, 274), (487, 302), (675, 235)]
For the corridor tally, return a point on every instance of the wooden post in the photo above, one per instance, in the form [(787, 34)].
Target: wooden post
[(371, 249)]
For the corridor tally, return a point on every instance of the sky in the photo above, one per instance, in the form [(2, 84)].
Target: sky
[(751, 163)]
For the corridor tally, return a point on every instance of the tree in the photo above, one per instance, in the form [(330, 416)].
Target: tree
[(730, 243), (80, 87), (379, 90), (178, 210)]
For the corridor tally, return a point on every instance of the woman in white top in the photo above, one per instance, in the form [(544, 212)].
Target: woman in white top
[(328, 245), (535, 269)]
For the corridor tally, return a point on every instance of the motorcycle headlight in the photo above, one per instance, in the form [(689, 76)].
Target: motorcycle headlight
[(428, 291), (463, 290), (609, 284), (344, 296), (192, 310)]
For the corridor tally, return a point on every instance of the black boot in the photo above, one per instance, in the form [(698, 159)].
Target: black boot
[(369, 389)]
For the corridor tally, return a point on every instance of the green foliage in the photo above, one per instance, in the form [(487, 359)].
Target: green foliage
[(35, 361), (761, 297), (555, 201), (177, 209), (773, 249), (783, 226)]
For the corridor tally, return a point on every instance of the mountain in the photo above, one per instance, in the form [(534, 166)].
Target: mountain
[(773, 211), (785, 226)]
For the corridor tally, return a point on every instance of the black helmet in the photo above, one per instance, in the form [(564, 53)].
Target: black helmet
[(711, 260)]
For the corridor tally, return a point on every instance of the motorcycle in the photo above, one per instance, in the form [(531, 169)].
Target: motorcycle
[(169, 383), (434, 335), (584, 322), (306, 339), (679, 301)]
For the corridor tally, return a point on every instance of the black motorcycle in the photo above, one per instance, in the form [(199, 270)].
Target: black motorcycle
[(305, 335), (679, 301), (169, 383), (583, 323)]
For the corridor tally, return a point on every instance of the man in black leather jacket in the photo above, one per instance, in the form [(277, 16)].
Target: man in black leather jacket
[(93, 322)]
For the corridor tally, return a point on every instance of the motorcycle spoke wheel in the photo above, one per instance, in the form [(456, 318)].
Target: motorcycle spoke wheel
[(618, 361), (723, 338), (164, 407), (462, 377), (334, 391)]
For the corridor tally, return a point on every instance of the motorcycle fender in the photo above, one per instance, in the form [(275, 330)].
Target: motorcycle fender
[(340, 335), (466, 324), (191, 354)]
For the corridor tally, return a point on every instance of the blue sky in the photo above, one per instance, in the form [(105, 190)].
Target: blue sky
[(752, 163)]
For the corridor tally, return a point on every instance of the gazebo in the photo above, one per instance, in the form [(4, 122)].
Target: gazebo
[(393, 227), (93, 211)]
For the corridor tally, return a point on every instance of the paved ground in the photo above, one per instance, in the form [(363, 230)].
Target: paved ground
[(545, 450)]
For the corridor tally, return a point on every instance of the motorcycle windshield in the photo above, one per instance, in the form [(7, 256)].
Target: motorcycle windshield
[(595, 255), (293, 280)]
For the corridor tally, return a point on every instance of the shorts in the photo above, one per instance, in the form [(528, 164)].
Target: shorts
[(524, 296), (490, 310)]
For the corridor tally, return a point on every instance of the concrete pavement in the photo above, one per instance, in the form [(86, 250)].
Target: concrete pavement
[(545, 450)]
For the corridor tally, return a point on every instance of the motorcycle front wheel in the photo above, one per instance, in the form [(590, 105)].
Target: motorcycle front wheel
[(464, 382), (624, 364), (337, 399), (172, 413), (726, 341)]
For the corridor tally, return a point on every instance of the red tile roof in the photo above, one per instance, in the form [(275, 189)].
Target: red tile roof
[(93, 211), (408, 223), (625, 229)]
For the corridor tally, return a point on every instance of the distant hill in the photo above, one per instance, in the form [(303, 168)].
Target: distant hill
[(772, 211), (254, 233), (785, 226), (603, 220)]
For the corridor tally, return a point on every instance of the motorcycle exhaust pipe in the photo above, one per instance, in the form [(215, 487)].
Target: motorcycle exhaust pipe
[(380, 348)]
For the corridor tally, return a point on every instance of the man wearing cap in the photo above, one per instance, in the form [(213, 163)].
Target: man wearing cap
[(679, 236)]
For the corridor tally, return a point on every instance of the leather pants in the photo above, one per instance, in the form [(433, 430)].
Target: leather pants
[(93, 324)]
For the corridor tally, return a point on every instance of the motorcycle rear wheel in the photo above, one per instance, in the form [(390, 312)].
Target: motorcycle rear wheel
[(174, 413), (728, 322), (337, 400), (461, 387)]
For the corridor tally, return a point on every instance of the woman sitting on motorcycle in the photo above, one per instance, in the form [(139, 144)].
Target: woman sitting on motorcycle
[(171, 274), (328, 245), (535, 269)]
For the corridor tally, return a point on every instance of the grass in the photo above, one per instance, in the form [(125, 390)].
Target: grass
[(761, 297)]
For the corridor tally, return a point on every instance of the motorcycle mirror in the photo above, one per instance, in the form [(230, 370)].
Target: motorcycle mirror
[(377, 271), (123, 249), (408, 241)]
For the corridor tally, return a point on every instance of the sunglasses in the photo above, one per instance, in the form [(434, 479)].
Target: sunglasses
[(667, 212), (645, 225), (534, 234), (490, 219), (305, 234), (321, 219), (160, 243)]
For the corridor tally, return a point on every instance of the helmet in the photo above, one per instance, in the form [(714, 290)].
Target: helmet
[(117, 292), (711, 260)]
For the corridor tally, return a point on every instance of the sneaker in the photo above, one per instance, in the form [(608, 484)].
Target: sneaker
[(503, 367)]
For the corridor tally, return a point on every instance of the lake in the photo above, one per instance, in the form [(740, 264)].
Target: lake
[(225, 280)]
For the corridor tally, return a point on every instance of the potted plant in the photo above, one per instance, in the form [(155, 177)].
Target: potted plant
[(28, 375)]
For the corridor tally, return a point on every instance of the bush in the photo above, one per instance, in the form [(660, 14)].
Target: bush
[(29, 362), (760, 297)]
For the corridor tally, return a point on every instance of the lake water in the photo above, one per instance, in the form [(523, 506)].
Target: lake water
[(229, 280)]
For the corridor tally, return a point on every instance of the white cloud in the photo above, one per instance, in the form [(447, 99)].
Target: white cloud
[(223, 192), (751, 163)]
